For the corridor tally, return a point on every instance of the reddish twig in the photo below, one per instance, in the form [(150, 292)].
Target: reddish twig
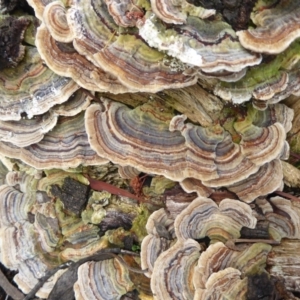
[(286, 195), (295, 155), (104, 186)]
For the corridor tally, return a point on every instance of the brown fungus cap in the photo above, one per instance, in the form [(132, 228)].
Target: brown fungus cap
[(176, 12), (203, 217), (64, 60), (202, 153), (161, 235), (125, 12), (173, 270), (209, 45), (103, 280), (218, 257), (140, 67), (32, 88), (26, 131), (267, 179), (66, 146), (277, 27), (55, 19)]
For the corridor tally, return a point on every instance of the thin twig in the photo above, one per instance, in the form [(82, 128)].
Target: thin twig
[(266, 241), (286, 195), (9, 289), (45, 278)]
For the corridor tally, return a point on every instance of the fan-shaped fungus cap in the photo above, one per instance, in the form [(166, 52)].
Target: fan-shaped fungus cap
[(160, 228), (32, 88), (269, 82), (140, 67), (268, 179), (218, 257), (103, 280), (173, 270), (176, 12), (197, 152), (125, 12), (210, 45), (55, 19), (66, 146), (14, 206), (26, 131), (203, 218), (64, 60), (226, 283), (277, 27), (283, 215), (77, 103), (190, 185)]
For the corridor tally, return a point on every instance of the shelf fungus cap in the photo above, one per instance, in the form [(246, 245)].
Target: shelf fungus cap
[(211, 46), (32, 88), (125, 12), (103, 280), (64, 60), (26, 131), (261, 145), (176, 12), (203, 217), (227, 283), (142, 68), (284, 217), (266, 180), (55, 19), (276, 29), (66, 146), (171, 278), (160, 228), (218, 257), (142, 138), (14, 206)]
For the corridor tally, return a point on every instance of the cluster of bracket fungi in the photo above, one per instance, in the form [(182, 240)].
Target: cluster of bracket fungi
[(110, 89)]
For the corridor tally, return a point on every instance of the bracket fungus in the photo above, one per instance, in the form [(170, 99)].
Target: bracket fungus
[(176, 11), (204, 153), (32, 88), (175, 266), (222, 272), (199, 43), (103, 280), (203, 217), (66, 146), (277, 27), (138, 83)]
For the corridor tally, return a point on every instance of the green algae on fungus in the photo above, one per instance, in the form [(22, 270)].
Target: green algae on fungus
[(140, 67), (32, 88), (263, 81), (210, 45), (177, 11), (95, 212), (222, 271), (204, 153)]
